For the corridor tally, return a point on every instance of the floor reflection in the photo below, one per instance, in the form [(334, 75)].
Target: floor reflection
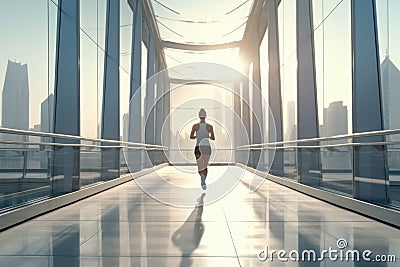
[(125, 227), (188, 236)]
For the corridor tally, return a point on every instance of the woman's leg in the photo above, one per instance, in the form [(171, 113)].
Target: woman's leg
[(206, 159)]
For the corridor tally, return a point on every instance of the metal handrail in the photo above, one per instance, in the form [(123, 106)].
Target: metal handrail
[(71, 137), (330, 138), (72, 145), (324, 146)]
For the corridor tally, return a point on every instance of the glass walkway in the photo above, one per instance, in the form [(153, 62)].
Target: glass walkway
[(125, 227)]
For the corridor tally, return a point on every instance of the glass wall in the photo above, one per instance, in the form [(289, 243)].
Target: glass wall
[(27, 55), (288, 61), (92, 41), (264, 69), (389, 53), (333, 70), (332, 40), (27, 71), (288, 74), (126, 27)]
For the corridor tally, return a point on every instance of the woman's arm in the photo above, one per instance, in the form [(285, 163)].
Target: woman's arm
[(192, 136), (211, 130)]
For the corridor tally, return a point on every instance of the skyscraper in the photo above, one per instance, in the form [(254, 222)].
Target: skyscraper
[(125, 127), (335, 119), (390, 86), (291, 132), (390, 78), (47, 117), (15, 108)]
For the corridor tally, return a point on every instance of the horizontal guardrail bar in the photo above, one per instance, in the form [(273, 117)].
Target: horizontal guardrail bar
[(324, 146), (78, 145), (73, 137), (330, 138)]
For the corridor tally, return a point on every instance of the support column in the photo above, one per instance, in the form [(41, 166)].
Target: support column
[(246, 116), (159, 104), (159, 110), (257, 111), (135, 105), (66, 161), (309, 160), (166, 130), (237, 120), (110, 121), (150, 109), (370, 165), (274, 92)]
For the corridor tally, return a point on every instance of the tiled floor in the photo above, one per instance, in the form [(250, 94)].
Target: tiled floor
[(125, 227)]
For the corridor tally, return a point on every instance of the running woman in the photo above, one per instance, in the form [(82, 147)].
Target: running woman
[(202, 132)]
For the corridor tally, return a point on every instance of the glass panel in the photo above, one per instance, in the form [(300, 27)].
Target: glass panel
[(264, 69), (90, 164), (319, 74), (389, 52), (317, 12), (337, 171), (23, 74), (288, 73), (93, 27), (281, 30), (125, 62), (27, 80), (337, 89), (288, 61), (88, 18), (329, 6), (290, 163), (89, 88), (22, 178)]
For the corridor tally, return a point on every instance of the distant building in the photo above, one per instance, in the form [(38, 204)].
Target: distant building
[(15, 102), (36, 128), (390, 79), (335, 123), (390, 86), (125, 127), (335, 119), (291, 133), (47, 117)]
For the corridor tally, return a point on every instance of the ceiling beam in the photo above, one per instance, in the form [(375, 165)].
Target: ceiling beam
[(199, 47)]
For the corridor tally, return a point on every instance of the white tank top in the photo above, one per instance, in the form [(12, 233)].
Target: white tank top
[(202, 135)]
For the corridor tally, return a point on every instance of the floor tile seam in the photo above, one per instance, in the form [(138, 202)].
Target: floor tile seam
[(230, 234), (89, 238)]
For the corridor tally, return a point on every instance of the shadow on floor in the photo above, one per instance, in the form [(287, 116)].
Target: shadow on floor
[(188, 236)]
